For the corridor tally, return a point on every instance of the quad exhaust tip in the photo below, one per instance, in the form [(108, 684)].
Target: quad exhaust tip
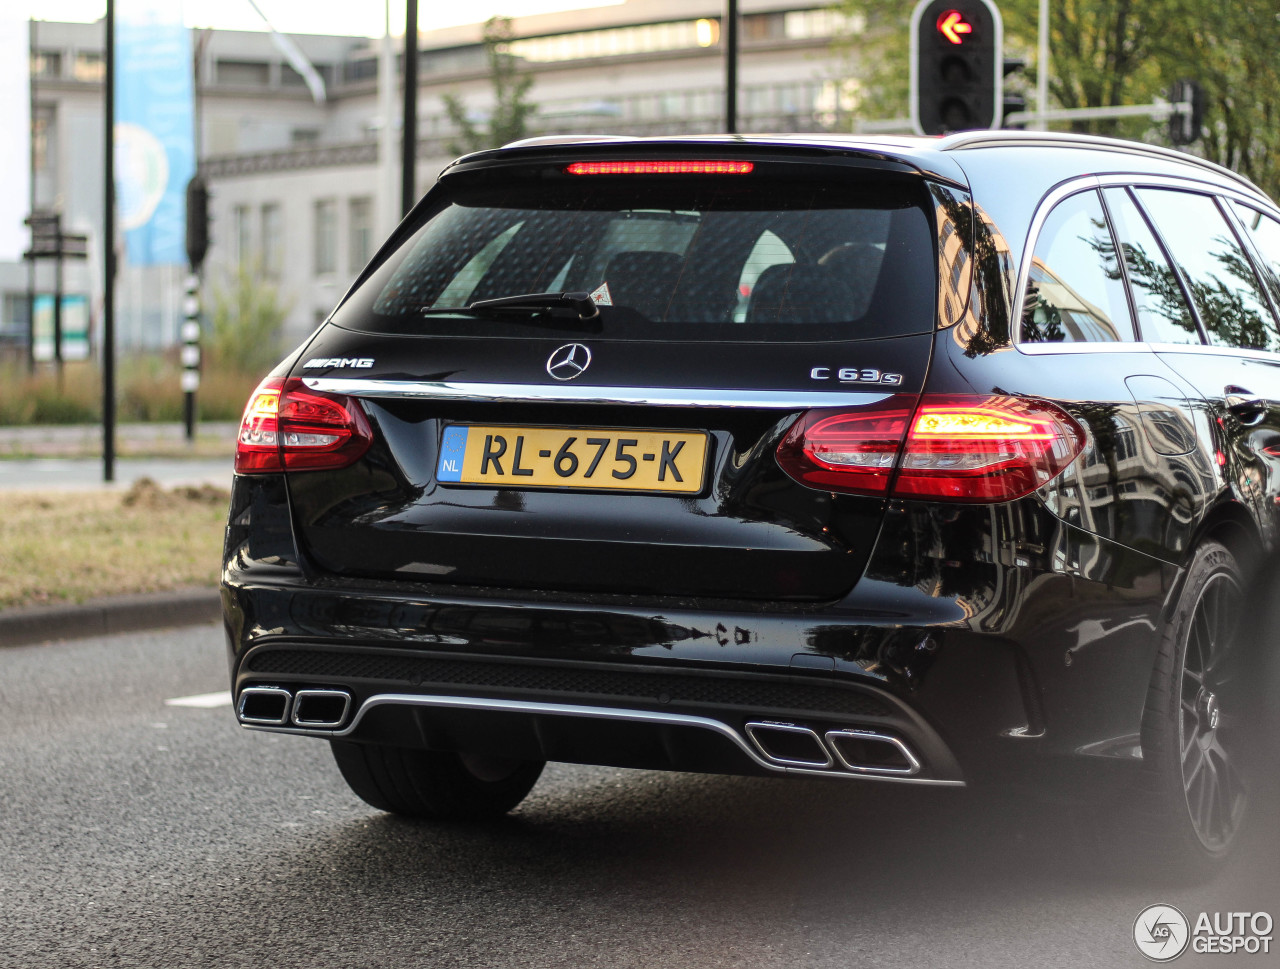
[(264, 705), (275, 706), (790, 744), (321, 708), (848, 749), (868, 752)]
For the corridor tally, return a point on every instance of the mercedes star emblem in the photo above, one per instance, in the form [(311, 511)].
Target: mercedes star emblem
[(568, 361)]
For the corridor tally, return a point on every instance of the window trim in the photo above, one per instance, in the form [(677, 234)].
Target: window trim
[(1074, 186), (1262, 267), (1128, 294)]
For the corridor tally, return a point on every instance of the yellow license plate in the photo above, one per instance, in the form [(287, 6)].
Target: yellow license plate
[(573, 457)]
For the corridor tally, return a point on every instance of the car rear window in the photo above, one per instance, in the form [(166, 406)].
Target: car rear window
[(700, 258)]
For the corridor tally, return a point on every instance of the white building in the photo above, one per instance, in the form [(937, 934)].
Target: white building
[(297, 189)]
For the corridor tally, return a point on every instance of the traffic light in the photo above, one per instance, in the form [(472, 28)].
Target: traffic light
[(197, 221), (957, 66), (1184, 127)]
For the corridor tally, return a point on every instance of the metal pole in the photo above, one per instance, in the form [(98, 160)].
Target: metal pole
[(191, 302), (57, 298), (409, 134), (1042, 67), (109, 253), (731, 67), (191, 353), (31, 263)]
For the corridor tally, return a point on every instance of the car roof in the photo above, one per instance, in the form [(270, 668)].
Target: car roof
[(940, 156)]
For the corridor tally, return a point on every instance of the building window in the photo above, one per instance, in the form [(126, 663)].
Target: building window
[(16, 312), (304, 137), (46, 63), (89, 66), (44, 138), (272, 240), (326, 237), (360, 232), (243, 229), (244, 73), (617, 41)]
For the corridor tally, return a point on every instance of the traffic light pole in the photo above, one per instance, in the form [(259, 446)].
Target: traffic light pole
[(1159, 110)]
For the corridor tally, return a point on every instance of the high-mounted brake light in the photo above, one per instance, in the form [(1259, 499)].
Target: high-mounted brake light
[(289, 427), (952, 448), (655, 167)]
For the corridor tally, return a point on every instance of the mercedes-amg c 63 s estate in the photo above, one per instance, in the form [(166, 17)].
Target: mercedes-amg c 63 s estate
[(923, 461)]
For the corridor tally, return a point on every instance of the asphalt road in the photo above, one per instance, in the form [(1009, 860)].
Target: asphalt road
[(78, 474), (134, 833)]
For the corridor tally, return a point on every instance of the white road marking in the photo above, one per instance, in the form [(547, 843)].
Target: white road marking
[(205, 701)]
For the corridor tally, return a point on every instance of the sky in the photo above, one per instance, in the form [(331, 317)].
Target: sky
[(358, 18)]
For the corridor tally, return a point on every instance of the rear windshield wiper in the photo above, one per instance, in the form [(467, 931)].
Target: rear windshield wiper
[(587, 311), (582, 302)]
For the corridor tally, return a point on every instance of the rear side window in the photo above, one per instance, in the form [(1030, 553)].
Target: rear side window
[(1226, 293), (1163, 314), (720, 258), (1075, 292)]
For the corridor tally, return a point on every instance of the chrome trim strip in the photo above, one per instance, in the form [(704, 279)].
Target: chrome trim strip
[(755, 725), (596, 713), (301, 694), (914, 764), (1263, 356), (536, 393), (268, 691), (1049, 349)]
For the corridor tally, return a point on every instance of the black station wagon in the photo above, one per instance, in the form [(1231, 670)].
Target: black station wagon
[(924, 461)]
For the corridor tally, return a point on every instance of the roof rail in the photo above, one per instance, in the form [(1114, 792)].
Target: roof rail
[(1062, 139)]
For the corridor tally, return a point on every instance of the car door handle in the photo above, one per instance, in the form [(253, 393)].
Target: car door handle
[(1248, 407)]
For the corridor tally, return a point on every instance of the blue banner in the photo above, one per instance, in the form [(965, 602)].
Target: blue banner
[(154, 130)]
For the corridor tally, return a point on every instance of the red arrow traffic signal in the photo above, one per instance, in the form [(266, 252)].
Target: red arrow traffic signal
[(953, 26), (957, 63)]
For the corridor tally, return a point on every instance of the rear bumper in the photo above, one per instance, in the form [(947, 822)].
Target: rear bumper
[(693, 717), (1029, 664)]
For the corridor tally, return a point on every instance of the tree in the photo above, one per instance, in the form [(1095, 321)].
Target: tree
[(509, 120), (1233, 50), (248, 317), (1110, 52)]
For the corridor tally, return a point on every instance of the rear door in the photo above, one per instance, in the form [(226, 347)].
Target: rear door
[(1237, 369), (633, 452)]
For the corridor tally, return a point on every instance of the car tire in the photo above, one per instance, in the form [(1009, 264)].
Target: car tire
[(1196, 728), (438, 785)]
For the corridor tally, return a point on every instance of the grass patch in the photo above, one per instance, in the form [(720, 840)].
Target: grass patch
[(68, 547), (148, 389)]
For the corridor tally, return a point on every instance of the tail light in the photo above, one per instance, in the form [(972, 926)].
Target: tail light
[(949, 448), (288, 427)]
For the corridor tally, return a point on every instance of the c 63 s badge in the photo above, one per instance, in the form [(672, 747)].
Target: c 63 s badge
[(853, 375)]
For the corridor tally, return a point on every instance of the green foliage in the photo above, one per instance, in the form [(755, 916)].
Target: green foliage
[(876, 50), (1109, 52), (248, 316), (509, 120)]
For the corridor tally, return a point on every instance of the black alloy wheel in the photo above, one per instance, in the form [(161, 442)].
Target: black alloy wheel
[(1196, 728), (1210, 732)]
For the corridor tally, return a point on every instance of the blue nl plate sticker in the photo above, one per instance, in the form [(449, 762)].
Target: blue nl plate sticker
[(453, 447)]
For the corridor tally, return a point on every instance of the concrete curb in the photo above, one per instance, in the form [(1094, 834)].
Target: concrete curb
[(104, 617)]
